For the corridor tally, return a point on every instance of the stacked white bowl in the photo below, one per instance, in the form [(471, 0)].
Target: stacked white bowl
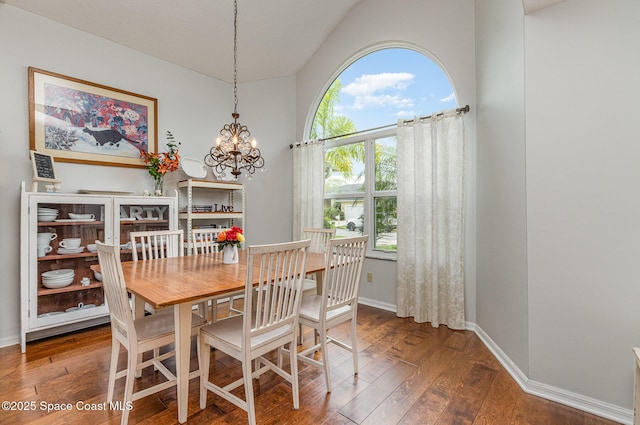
[(57, 278), (47, 214)]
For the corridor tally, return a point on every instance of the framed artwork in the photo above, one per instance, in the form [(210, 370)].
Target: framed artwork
[(78, 121)]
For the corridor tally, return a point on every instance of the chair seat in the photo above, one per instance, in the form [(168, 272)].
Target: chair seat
[(230, 332), (158, 325), (310, 309)]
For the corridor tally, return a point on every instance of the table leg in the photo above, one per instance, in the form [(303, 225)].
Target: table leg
[(182, 315), (138, 306), (138, 312), (319, 281)]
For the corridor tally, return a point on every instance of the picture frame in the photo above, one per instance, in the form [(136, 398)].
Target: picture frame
[(78, 121)]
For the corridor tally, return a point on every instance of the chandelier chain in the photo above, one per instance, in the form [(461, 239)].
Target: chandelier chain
[(235, 56)]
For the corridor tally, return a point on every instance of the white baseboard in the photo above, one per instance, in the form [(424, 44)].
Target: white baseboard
[(548, 392), (10, 340), (377, 304)]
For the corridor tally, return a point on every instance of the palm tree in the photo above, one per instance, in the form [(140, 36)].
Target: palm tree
[(327, 124)]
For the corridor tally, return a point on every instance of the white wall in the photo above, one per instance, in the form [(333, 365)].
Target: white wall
[(192, 106), (501, 231), (557, 212), (445, 30), (269, 107), (583, 154)]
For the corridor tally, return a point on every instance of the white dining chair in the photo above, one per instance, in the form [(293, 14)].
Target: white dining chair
[(319, 244), (152, 244), (338, 302), (269, 322), (319, 238), (205, 241), (135, 335)]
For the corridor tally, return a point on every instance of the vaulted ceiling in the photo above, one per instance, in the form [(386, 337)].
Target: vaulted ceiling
[(275, 37)]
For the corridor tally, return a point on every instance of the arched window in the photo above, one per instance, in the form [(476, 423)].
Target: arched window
[(357, 116)]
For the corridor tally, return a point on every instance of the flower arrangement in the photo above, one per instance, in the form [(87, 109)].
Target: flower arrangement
[(158, 164), (230, 237)]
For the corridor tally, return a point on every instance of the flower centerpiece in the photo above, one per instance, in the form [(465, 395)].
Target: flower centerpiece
[(158, 164), (229, 241)]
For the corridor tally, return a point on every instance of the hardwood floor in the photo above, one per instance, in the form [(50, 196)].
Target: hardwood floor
[(409, 374)]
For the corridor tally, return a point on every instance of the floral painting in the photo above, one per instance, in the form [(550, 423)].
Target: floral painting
[(78, 121)]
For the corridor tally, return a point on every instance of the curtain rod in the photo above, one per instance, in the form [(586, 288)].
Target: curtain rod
[(462, 110)]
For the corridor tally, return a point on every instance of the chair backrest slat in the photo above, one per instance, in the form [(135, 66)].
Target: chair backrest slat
[(205, 241), (157, 244), (319, 238), (343, 271), (275, 301)]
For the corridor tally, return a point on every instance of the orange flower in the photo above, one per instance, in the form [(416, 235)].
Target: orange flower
[(158, 164)]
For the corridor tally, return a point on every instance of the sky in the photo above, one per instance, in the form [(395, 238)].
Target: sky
[(390, 84)]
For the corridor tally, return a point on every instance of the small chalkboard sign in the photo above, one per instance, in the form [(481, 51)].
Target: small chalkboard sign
[(43, 168)]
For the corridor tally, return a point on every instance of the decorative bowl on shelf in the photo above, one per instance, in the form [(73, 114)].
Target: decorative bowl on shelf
[(54, 279), (47, 214), (55, 284), (58, 273), (193, 168)]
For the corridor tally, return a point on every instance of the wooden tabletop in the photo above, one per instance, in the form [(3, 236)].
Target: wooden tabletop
[(169, 281)]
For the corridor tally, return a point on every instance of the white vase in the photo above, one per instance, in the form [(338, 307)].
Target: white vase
[(230, 254)]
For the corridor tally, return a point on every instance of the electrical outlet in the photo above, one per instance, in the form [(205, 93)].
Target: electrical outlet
[(369, 277)]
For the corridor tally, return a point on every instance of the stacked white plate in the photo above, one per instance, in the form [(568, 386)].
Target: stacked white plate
[(58, 278), (63, 251), (47, 214)]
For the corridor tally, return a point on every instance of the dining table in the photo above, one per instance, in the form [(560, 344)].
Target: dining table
[(179, 282)]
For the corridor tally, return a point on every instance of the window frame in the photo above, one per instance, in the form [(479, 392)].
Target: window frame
[(369, 193)]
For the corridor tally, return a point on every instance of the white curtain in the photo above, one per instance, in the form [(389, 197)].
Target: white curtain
[(308, 186), (430, 280)]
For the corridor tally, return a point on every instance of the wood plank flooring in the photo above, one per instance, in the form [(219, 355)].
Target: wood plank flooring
[(409, 374)]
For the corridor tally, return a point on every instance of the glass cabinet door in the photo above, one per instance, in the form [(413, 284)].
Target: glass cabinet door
[(64, 229), (141, 213)]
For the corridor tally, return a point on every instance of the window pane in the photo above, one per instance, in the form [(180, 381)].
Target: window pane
[(386, 213), (344, 169), (386, 163), (345, 215)]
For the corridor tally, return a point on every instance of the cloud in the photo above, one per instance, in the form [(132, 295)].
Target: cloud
[(450, 98), (362, 102), (406, 114), (380, 90), (369, 84)]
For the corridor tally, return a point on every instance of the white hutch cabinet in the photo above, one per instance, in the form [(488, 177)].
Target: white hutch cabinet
[(209, 204), (50, 305)]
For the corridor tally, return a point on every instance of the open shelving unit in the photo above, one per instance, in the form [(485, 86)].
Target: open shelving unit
[(219, 196)]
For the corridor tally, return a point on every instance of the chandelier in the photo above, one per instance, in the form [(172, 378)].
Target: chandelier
[(235, 149)]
